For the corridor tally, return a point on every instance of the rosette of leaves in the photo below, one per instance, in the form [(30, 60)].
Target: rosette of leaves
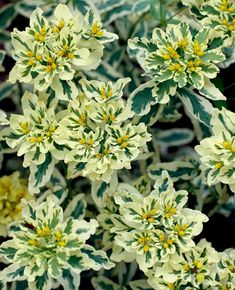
[(178, 61), (217, 153), (46, 248), (196, 269), (155, 228), (33, 135), (98, 133), (48, 53), (216, 14)]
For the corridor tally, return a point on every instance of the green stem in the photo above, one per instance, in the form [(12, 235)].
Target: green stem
[(136, 23), (229, 86), (176, 13)]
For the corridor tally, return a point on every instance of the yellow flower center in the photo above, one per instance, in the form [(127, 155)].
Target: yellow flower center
[(197, 49), (230, 25), (200, 277), (51, 65), (40, 36), (31, 62), (35, 139), (186, 267), (30, 53), (226, 144), (218, 165), (181, 230), (122, 141), (231, 268), (232, 149), (105, 117), (149, 216), (177, 67), (38, 57), (58, 235), (171, 286), (96, 30), (226, 7), (58, 27), (170, 211), (172, 52), (193, 65), (62, 243), (145, 241), (183, 43), (32, 242), (24, 127), (197, 264)]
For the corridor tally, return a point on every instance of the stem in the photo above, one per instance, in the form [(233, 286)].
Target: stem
[(176, 13), (136, 23), (229, 86)]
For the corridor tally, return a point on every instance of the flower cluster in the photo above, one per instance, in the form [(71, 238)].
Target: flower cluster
[(75, 120), (33, 134), (154, 228), (177, 59), (12, 189), (97, 131), (196, 269), (216, 14), (48, 53), (217, 152), (47, 247)]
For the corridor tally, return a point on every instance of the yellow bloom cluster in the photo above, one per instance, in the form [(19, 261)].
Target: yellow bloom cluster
[(12, 190)]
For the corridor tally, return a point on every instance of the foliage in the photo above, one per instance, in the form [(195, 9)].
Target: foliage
[(117, 144)]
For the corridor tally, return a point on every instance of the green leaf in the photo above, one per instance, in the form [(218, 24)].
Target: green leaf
[(3, 285), (42, 282), (141, 6), (54, 268), (98, 259), (76, 262), (13, 272), (210, 91), (8, 250), (152, 116), (100, 189), (40, 174), (197, 106), (142, 98), (76, 207), (5, 36), (177, 170), (140, 285), (103, 283), (81, 5), (69, 226), (174, 137), (162, 91), (116, 13), (108, 5), (69, 279), (6, 90), (7, 14), (65, 90)]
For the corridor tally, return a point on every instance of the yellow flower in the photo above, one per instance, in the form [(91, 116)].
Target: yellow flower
[(12, 190)]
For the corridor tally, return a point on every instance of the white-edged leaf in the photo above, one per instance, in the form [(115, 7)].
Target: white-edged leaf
[(174, 137), (76, 207), (199, 107), (210, 91), (142, 98), (41, 174), (184, 170)]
